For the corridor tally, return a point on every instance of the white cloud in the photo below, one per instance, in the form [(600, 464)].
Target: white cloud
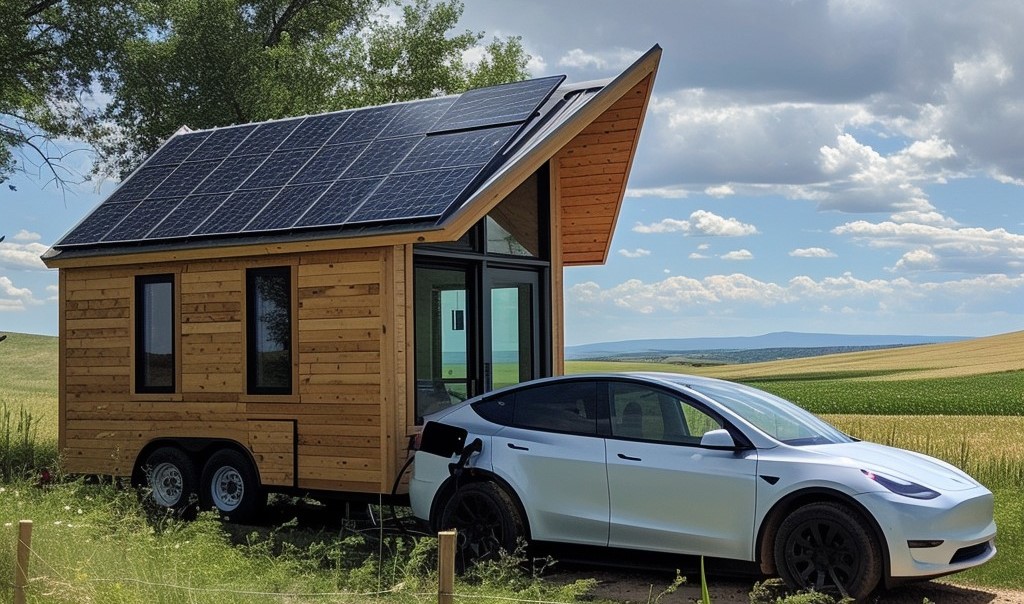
[(660, 192), (735, 292), (26, 236), (719, 191), (22, 256), (812, 252), (966, 250), (698, 256), (738, 255), (13, 298), (701, 223), (637, 253), (602, 60)]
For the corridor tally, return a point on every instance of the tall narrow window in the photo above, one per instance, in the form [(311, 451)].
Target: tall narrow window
[(269, 330), (154, 333)]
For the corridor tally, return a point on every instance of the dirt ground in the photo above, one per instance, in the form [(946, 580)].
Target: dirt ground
[(637, 587)]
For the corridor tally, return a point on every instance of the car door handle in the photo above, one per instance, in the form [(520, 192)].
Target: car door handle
[(517, 447), (627, 457)]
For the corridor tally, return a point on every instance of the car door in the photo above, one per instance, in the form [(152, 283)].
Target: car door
[(554, 458), (668, 493)]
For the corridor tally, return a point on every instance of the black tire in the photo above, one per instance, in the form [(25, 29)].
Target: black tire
[(486, 519), (230, 484), (828, 547), (172, 479)]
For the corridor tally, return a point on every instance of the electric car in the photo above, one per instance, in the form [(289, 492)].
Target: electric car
[(693, 465)]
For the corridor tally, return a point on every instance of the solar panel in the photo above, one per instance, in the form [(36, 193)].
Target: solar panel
[(189, 214), (415, 195), (329, 163), (337, 204), (142, 219), (417, 118), (97, 224), (221, 142), (457, 149), (365, 124), (279, 168), (184, 179), (177, 149), (231, 173), (495, 105), (266, 137), (236, 212), (284, 210), (389, 163), (314, 131), (381, 157)]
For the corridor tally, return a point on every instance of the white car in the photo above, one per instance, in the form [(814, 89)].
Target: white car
[(692, 465)]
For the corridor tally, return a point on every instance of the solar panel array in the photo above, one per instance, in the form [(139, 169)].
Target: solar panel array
[(376, 165)]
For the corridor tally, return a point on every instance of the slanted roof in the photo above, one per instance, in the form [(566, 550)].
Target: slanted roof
[(434, 166)]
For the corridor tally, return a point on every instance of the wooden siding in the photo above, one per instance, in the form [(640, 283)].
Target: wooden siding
[(591, 177), (336, 431)]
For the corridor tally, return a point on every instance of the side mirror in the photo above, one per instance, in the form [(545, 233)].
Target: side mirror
[(718, 439)]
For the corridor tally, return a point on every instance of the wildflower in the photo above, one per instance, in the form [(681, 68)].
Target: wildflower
[(67, 508)]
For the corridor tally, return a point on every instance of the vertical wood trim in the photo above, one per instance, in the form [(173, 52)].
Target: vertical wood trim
[(410, 348), (178, 350), (293, 310), (62, 363), (133, 359), (388, 367), (557, 281)]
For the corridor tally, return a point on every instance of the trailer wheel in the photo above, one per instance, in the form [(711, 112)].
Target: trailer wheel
[(171, 477), (231, 485), (486, 519)]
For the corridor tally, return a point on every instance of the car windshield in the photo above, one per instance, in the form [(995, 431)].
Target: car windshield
[(776, 417)]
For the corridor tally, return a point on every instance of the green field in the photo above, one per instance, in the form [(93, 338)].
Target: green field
[(96, 543)]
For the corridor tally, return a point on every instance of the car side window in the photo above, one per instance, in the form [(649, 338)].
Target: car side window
[(499, 410), (560, 407), (641, 412)]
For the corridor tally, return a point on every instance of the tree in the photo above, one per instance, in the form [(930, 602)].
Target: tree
[(205, 63), (208, 63), (50, 54)]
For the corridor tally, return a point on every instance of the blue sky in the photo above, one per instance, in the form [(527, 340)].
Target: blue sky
[(844, 166)]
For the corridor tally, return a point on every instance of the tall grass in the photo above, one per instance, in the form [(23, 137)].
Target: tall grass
[(21, 453)]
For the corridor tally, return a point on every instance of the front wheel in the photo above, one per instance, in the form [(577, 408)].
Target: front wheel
[(486, 519), (828, 547), (231, 485)]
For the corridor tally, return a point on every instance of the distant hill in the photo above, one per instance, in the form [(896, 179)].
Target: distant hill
[(783, 344), (977, 356)]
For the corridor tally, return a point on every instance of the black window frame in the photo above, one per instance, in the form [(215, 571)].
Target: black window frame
[(251, 353), (141, 283)]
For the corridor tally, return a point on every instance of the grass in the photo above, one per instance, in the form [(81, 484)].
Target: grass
[(97, 543)]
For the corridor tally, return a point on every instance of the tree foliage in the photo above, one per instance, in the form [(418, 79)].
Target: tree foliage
[(164, 64), (50, 54)]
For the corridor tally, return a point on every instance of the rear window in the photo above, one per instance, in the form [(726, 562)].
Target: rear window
[(561, 407), (498, 410)]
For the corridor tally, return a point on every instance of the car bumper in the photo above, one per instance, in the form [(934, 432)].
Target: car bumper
[(429, 472), (930, 538)]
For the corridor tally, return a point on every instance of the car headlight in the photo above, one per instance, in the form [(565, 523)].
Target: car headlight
[(901, 487)]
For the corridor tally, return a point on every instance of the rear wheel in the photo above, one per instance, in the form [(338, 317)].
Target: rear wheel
[(231, 485), (486, 519), (828, 547), (171, 477)]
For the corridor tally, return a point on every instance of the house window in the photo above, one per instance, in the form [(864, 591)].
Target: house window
[(154, 333), (269, 330)]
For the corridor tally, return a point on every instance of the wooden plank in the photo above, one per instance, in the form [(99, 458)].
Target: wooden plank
[(332, 347), (338, 485), (591, 159), (340, 266), (332, 440), (340, 368), (338, 312), (359, 301), (348, 464), (340, 335), (338, 410), (108, 313), (97, 294), (592, 180), (592, 190), (360, 289), (212, 382), (371, 356), (208, 328), (338, 279), (212, 317), (211, 276), (98, 369), (340, 475), (618, 168), (308, 382), (370, 324), (107, 303)]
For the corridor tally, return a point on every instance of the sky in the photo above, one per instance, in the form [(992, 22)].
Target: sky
[(836, 166)]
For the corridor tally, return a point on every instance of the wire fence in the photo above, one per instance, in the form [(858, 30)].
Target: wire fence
[(26, 583)]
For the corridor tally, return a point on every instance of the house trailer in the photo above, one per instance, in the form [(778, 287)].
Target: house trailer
[(275, 306)]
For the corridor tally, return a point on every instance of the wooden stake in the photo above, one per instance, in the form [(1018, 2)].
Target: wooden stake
[(21, 570), (446, 567)]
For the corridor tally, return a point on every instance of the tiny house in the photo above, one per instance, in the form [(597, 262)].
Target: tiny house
[(275, 306)]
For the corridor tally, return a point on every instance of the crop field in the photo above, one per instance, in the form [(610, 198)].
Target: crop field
[(917, 398)]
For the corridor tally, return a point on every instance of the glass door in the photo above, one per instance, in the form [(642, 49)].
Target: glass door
[(444, 332), (512, 342)]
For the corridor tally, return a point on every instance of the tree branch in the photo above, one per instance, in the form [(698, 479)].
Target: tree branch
[(39, 7), (293, 8)]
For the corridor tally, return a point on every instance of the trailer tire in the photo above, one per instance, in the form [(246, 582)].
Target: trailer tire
[(231, 485), (172, 479)]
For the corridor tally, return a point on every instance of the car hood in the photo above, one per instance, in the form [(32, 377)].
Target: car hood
[(899, 463)]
